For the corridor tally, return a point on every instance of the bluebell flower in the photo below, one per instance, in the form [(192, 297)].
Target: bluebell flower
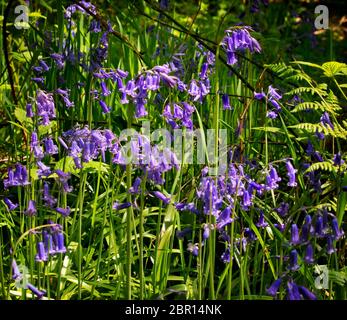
[(29, 110), (134, 189), (294, 240), (39, 294), (226, 102), (338, 159), (293, 291), (319, 135), (41, 255), (293, 261), (45, 107), (330, 245), (193, 248), (49, 200), (226, 256), (273, 289), (282, 209), (337, 232), (319, 230), (120, 206), (31, 210), (291, 174), (16, 275), (306, 229), (206, 232), (272, 179), (60, 247), (63, 211), (271, 115), (161, 197), (50, 147), (224, 218), (309, 254), (261, 223), (10, 205), (259, 95), (325, 120), (307, 294), (104, 107)]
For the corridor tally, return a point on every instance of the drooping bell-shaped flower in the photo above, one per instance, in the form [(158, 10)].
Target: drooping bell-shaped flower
[(294, 233), (41, 255), (293, 261), (273, 289), (291, 174), (31, 210), (309, 254)]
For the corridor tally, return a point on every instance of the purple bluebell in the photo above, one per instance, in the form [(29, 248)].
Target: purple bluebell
[(39, 294), (282, 209), (60, 243), (44, 66), (161, 197), (306, 294), (261, 223), (29, 110), (294, 234), (193, 248), (224, 218), (306, 229), (330, 245), (43, 170), (50, 147), (120, 206), (293, 291), (49, 200), (48, 242), (104, 107), (280, 226), (31, 210), (319, 229), (63, 179), (337, 232), (273, 93), (271, 115), (226, 256), (325, 120), (16, 275), (273, 289), (291, 174), (293, 261), (10, 205), (105, 91), (206, 232), (41, 255), (319, 135), (204, 69), (59, 60), (63, 211), (272, 179), (259, 95), (309, 254), (226, 102), (246, 200), (134, 189), (45, 107), (338, 159)]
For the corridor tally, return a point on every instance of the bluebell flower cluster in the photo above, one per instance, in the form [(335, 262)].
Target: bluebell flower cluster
[(238, 40)]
